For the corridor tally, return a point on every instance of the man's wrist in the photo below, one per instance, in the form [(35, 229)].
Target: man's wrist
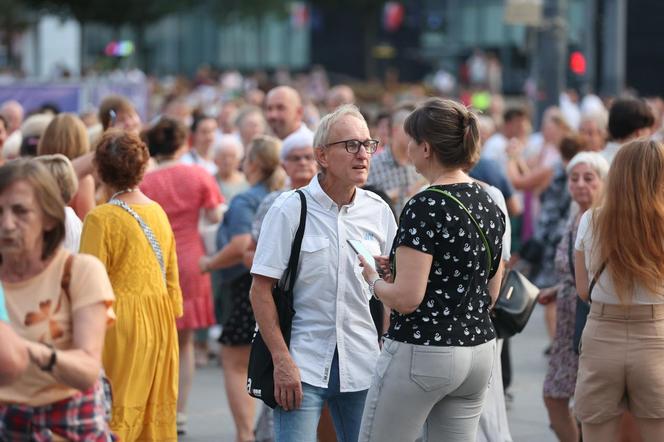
[(280, 356)]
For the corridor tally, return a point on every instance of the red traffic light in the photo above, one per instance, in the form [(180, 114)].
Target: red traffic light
[(577, 63)]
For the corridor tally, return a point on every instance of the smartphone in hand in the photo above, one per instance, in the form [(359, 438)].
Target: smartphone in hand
[(361, 249)]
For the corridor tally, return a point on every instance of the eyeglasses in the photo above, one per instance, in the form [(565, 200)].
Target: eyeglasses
[(297, 158), (353, 146)]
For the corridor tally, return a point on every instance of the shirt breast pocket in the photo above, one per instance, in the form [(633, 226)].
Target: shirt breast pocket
[(315, 257)]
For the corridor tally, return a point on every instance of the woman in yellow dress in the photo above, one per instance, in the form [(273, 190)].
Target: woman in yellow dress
[(141, 352)]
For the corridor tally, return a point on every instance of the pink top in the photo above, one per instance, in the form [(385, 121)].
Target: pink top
[(182, 191)]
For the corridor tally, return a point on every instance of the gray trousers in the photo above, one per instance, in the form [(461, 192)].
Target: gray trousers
[(436, 389)]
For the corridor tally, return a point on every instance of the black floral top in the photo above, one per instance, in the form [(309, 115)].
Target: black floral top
[(455, 308)]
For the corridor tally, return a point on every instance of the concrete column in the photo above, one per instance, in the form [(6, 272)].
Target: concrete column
[(551, 56), (613, 45)]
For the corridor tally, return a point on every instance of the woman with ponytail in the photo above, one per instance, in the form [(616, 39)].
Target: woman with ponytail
[(184, 192), (438, 353), (262, 167)]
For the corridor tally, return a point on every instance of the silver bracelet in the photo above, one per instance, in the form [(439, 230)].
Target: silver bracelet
[(372, 287)]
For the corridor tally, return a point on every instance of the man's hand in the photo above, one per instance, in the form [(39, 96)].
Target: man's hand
[(287, 383)]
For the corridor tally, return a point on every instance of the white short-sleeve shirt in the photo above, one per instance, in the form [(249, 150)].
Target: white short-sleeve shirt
[(604, 290), (331, 299), (73, 229), (497, 196), (192, 157)]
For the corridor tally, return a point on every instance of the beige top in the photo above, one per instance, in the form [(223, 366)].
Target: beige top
[(40, 311)]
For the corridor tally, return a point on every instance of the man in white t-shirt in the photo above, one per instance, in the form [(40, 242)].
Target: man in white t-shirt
[(334, 347), (629, 119), (515, 126)]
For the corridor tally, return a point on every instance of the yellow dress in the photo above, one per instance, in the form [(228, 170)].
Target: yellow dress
[(141, 351)]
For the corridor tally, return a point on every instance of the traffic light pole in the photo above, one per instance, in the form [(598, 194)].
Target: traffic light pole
[(551, 57), (613, 46)]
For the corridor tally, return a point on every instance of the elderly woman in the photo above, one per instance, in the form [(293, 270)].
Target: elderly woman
[(60, 305), (228, 154), (438, 353), (250, 123), (264, 172), (141, 351), (593, 127), (586, 173), (619, 253)]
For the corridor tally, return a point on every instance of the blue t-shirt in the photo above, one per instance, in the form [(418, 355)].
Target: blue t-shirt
[(237, 221), (492, 173), (4, 316)]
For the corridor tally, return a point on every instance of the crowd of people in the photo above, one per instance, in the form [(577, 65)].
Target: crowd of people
[(127, 245)]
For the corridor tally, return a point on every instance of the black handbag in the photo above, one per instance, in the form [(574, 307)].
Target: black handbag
[(515, 304), (260, 372)]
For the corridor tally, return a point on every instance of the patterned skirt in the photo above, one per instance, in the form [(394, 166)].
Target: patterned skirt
[(241, 324), (560, 380), (83, 417)]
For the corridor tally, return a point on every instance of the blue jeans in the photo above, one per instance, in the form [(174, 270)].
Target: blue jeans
[(346, 409)]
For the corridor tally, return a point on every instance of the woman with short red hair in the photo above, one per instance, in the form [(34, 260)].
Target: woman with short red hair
[(132, 237)]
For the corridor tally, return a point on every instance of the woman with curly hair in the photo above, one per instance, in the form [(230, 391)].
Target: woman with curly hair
[(132, 237)]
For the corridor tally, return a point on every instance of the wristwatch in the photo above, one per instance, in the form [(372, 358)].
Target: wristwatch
[(372, 287), (52, 360)]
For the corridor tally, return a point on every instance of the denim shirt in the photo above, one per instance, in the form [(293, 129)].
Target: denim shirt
[(238, 221)]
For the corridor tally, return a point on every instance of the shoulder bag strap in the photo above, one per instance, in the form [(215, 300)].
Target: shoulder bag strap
[(289, 276), (156, 248), (484, 240), (570, 254), (594, 281)]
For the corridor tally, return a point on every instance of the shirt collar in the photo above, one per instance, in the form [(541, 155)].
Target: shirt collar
[(318, 194)]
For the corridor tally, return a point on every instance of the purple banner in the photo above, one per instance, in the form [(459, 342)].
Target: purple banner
[(32, 97)]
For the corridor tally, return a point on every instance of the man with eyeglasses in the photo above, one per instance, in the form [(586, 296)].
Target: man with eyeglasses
[(334, 347)]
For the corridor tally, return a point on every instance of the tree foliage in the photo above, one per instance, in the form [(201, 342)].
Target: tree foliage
[(15, 18), (114, 12)]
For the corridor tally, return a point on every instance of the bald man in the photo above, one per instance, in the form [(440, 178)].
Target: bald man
[(284, 111), (338, 96), (13, 113)]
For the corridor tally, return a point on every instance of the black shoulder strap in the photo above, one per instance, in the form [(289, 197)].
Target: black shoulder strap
[(570, 254), (594, 281), (289, 276)]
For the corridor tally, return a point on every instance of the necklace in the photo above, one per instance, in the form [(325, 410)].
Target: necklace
[(120, 192)]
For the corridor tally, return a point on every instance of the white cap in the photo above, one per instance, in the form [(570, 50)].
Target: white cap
[(301, 138)]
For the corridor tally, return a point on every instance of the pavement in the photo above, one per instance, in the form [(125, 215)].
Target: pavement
[(210, 419)]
